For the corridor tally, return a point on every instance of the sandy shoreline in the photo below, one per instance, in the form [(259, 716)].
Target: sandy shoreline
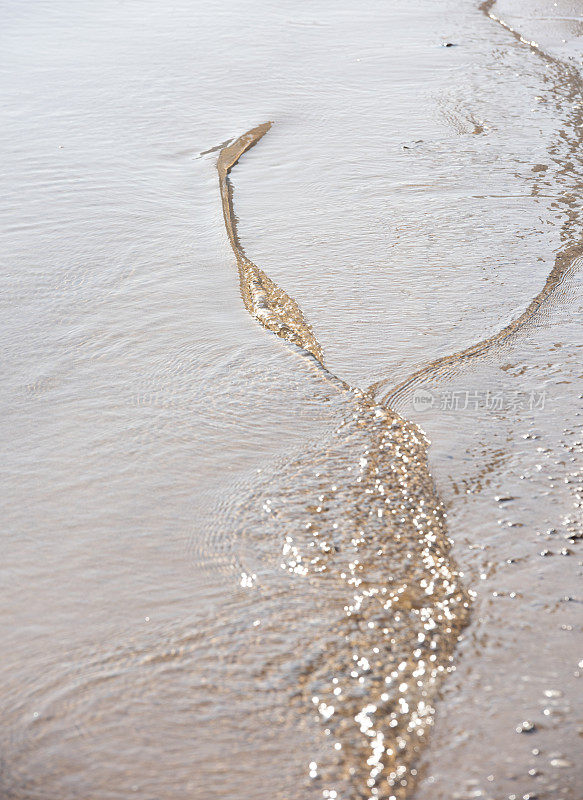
[(164, 454)]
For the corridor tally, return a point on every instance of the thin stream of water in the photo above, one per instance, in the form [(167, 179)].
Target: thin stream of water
[(225, 569)]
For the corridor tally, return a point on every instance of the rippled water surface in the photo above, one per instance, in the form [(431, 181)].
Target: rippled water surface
[(228, 570)]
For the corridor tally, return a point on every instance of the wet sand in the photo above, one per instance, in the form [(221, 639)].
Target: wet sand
[(172, 468)]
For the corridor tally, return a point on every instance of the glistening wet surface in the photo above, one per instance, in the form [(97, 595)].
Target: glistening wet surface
[(372, 539), (216, 558)]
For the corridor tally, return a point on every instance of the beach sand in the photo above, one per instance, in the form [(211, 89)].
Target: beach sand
[(164, 453)]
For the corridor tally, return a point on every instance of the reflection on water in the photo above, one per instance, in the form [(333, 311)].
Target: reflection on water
[(224, 569), (368, 531)]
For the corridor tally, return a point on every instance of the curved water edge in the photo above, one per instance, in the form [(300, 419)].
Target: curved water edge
[(216, 552), (374, 543), (263, 299), (372, 537), (566, 261)]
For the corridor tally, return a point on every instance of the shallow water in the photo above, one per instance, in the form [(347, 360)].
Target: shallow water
[(159, 445)]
